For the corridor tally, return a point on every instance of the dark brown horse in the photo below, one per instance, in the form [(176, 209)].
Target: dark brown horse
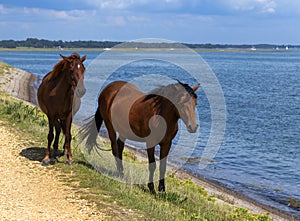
[(59, 98), (151, 118)]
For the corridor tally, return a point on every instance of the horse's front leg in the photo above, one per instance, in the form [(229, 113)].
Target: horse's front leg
[(164, 151), (67, 145), (120, 146), (46, 160), (57, 133), (151, 167)]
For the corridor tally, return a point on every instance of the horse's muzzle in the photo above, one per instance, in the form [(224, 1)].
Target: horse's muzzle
[(192, 129), (80, 92)]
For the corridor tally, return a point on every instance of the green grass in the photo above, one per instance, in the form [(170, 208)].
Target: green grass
[(184, 200)]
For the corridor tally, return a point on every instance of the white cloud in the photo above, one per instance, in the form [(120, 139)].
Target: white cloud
[(136, 5), (69, 15), (58, 14), (37, 14), (261, 6), (112, 4), (267, 6)]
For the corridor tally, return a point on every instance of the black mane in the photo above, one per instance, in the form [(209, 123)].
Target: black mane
[(157, 91), (188, 89)]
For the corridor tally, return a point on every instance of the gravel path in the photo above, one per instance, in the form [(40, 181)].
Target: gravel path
[(29, 191)]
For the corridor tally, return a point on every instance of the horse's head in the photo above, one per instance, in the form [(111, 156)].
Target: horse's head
[(76, 72), (186, 104)]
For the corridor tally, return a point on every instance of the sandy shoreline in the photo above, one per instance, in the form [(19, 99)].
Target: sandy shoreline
[(18, 83)]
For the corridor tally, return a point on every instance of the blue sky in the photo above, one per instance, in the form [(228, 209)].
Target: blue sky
[(190, 21)]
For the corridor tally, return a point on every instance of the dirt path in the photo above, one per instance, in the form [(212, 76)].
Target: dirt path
[(29, 191)]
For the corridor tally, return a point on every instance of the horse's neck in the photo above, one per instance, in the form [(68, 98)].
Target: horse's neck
[(163, 106), (64, 84)]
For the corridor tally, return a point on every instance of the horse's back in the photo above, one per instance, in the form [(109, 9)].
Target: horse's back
[(116, 86), (116, 99), (121, 89)]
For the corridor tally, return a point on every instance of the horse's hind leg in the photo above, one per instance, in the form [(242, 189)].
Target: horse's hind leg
[(46, 160), (151, 167), (114, 146), (56, 140), (67, 145), (63, 128)]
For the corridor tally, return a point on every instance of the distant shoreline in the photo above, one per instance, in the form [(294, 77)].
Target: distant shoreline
[(234, 50), (145, 44)]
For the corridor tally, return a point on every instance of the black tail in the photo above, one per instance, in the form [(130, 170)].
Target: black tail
[(90, 131), (98, 119)]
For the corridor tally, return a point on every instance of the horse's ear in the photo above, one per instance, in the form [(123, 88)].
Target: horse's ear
[(65, 58), (83, 58), (62, 56), (196, 87)]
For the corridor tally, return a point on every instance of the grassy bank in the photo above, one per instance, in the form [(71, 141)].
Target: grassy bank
[(119, 201)]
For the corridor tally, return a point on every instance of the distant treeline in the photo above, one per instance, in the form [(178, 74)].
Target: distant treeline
[(42, 43)]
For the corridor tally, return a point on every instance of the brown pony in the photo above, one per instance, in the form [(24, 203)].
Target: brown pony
[(59, 98), (151, 118)]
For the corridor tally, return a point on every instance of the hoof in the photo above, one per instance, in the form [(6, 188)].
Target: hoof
[(121, 175), (151, 188), (70, 163), (45, 163), (161, 186), (153, 192), (161, 189)]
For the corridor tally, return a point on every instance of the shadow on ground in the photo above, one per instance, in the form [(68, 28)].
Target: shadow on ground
[(34, 153), (38, 154)]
